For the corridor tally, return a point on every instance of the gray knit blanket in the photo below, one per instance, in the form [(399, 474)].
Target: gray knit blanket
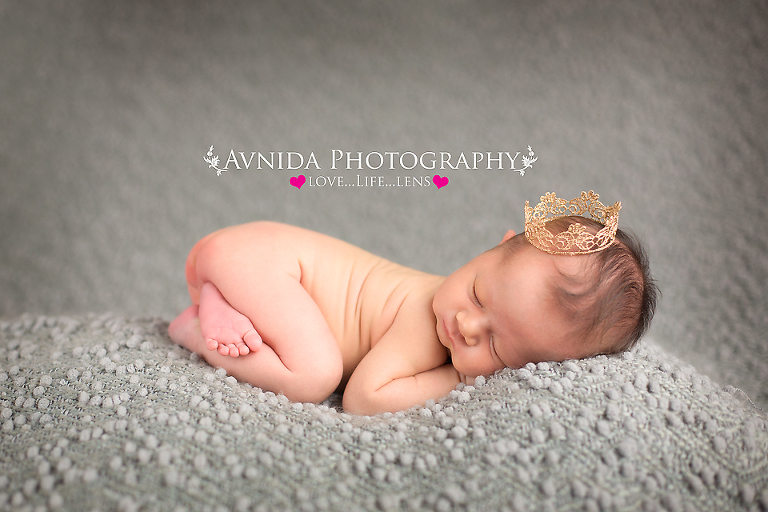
[(106, 413)]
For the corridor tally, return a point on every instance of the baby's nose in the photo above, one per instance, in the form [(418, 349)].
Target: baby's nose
[(472, 327)]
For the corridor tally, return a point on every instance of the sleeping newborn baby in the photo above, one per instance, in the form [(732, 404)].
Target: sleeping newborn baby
[(304, 314)]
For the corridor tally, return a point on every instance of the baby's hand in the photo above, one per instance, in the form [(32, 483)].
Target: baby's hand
[(225, 329)]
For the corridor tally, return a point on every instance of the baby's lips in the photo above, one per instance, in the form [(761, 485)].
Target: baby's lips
[(450, 336)]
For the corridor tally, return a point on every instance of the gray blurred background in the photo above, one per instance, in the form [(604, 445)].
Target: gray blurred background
[(108, 108)]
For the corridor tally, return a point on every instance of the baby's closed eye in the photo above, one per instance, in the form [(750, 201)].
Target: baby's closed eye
[(475, 298)]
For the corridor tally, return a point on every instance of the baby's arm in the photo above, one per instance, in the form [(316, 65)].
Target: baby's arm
[(406, 367)]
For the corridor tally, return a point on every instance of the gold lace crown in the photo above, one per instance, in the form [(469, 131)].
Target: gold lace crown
[(576, 240)]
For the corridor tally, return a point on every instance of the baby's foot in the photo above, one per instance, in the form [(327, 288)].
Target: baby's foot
[(224, 328)]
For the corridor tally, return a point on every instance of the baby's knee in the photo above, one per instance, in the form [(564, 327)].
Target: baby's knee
[(318, 385)]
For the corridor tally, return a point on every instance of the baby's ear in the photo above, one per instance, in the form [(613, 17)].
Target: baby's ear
[(509, 235)]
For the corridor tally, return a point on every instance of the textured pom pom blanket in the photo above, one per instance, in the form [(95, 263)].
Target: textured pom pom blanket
[(106, 413)]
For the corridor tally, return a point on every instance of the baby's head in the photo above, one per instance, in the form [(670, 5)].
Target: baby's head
[(608, 297), (570, 287), (606, 291)]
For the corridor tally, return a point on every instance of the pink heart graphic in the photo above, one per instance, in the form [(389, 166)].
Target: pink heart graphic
[(298, 181), (440, 182)]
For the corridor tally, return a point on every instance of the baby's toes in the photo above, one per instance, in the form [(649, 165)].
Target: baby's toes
[(252, 341), (234, 349), (212, 344), (223, 337), (242, 349)]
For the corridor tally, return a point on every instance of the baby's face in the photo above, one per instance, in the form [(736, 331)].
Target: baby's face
[(498, 311)]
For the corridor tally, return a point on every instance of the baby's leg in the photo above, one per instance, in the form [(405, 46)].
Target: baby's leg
[(263, 368), (224, 328), (299, 355)]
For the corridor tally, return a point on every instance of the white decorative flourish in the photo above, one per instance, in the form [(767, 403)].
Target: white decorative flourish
[(527, 161), (213, 161)]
